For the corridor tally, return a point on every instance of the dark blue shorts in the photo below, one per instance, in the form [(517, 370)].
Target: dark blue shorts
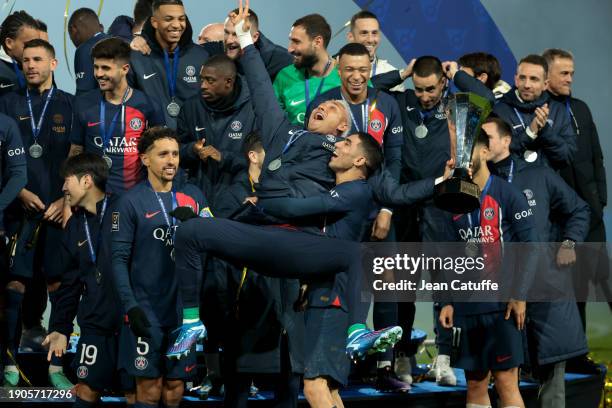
[(95, 363), (325, 344), (146, 357), (37, 244), (489, 342)]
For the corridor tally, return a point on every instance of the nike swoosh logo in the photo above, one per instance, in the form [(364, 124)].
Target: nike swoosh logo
[(81, 243), (295, 103), (198, 129), (409, 109), (190, 368), (517, 126), (24, 117), (92, 124), (456, 217), (145, 76), (2, 86), (151, 215), (502, 359)]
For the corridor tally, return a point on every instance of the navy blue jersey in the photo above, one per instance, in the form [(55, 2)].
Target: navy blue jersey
[(11, 75), (141, 112), (145, 273), (379, 116), (99, 311), (43, 173), (83, 65), (346, 209), (13, 170), (504, 216)]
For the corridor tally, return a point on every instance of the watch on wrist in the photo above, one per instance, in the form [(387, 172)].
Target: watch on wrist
[(568, 244)]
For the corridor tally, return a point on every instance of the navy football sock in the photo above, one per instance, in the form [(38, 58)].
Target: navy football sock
[(13, 310)]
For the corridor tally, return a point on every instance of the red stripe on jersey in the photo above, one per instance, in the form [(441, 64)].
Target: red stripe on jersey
[(135, 124), (490, 221), (183, 200), (377, 125)]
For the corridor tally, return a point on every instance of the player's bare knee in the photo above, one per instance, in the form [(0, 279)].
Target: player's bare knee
[(148, 390), (16, 286), (86, 393), (317, 392), (173, 392), (506, 380)]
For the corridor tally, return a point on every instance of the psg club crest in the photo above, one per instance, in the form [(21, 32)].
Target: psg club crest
[(140, 363), (528, 194), (489, 213), (136, 124), (190, 70), (236, 126), (376, 125), (82, 372)]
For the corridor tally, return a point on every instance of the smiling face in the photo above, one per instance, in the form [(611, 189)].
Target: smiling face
[(348, 153), (162, 159), (75, 188), (110, 73), (38, 64), (354, 73), (169, 22), (303, 48), (329, 118), (366, 31), (530, 81)]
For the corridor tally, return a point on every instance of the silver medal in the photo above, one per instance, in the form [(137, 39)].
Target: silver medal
[(173, 109), (530, 156), (108, 160), (421, 131), (471, 249), (274, 164), (36, 150)]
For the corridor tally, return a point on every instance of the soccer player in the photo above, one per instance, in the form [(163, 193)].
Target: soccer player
[(541, 127), (503, 216), (212, 32), (312, 72), (87, 289), (212, 127), (169, 74), (17, 29), (13, 177), (143, 267), (365, 29), (487, 69), (554, 328), (426, 150), (85, 31), (110, 122), (274, 56), (44, 115)]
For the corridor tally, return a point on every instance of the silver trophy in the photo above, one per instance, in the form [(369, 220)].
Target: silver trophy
[(465, 113)]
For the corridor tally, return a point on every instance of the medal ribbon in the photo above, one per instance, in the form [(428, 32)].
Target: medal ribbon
[(93, 252), (307, 86), (163, 209), (20, 77), (571, 112), (294, 137), (37, 127), (171, 72), (106, 136)]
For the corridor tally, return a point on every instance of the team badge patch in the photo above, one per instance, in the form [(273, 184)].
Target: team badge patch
[(489, 213), (58, 118), (82, 372), (141, 363), (115, 222), (528, 194), (331, 138), (236, 125), (190, 70), (136, 124), (376, 125)]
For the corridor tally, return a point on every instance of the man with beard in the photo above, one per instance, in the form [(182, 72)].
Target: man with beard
[(44, 116), (169, 74), (85, 31), (541, 127), (365, 29), (212, 126), (109, 122), (312, 72), (274, 56)]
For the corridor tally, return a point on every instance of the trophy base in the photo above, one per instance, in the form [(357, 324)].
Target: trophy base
[(457, 196)]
